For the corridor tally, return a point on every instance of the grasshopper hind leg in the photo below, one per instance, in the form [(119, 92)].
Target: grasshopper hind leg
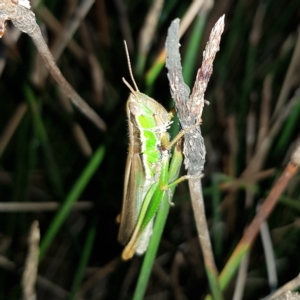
[(144, 239)]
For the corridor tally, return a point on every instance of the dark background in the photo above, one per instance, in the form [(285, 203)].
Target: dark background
[(43, 159)]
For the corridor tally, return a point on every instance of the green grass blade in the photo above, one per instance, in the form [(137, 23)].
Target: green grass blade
[(74, 194), (84, 259), (153, 73), (43, 138), (214, 284), (159, 225), (140, 65), (294, 204), (231, 267), (152, 249), (190, 59), (289, 127)]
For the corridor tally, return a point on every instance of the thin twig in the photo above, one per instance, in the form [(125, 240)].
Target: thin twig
[(82, 140), (265, 110), (7, 264), (247, 180), (284, 113), (55, 290), (35, 206), (146, 34), (241, 278), (202, 228), (269, 254), (31, 264), (12, 126), (124, 24), (250, 132), (77, 130), (256, 31), (39, 75), (148, 29), (289, 286), (232, 187), (288, 82), (178, 262), (13, 37), (54, 25), (260, 154), (69, 30), (98, 275), (42, 282), (162, 276), (192, 12), (232, 145), (102, 23), (24, 19), (129, 279), (96, 70)]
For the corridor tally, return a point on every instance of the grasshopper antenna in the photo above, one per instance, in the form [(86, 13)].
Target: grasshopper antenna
[(129, 86), (129, 67)]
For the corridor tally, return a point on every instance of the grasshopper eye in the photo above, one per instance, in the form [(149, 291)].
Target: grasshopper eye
[(135, 109)]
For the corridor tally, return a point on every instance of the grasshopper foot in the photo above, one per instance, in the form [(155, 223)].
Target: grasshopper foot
[(171, 203)]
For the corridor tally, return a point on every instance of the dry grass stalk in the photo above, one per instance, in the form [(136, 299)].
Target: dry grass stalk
[(38, 207), (124, 24), (189, 109), (291, 285), (149, 27), (31, 264), (98, 275), (265, 109), (12, 126), (24, 19), (187, 19), (57, 291), (288, 80), (56, 27), (262, 214)]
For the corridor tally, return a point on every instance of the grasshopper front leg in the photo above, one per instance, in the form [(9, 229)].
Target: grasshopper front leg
[(169, 144)]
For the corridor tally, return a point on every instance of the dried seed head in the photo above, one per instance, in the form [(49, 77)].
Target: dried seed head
[(24, 3)]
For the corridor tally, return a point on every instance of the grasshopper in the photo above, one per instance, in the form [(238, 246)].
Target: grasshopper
[(147, 175)]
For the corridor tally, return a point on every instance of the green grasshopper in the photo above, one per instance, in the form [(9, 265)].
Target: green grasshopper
[(147, 176)]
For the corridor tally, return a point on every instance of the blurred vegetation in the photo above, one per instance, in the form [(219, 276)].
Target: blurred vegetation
[(44, 160)]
